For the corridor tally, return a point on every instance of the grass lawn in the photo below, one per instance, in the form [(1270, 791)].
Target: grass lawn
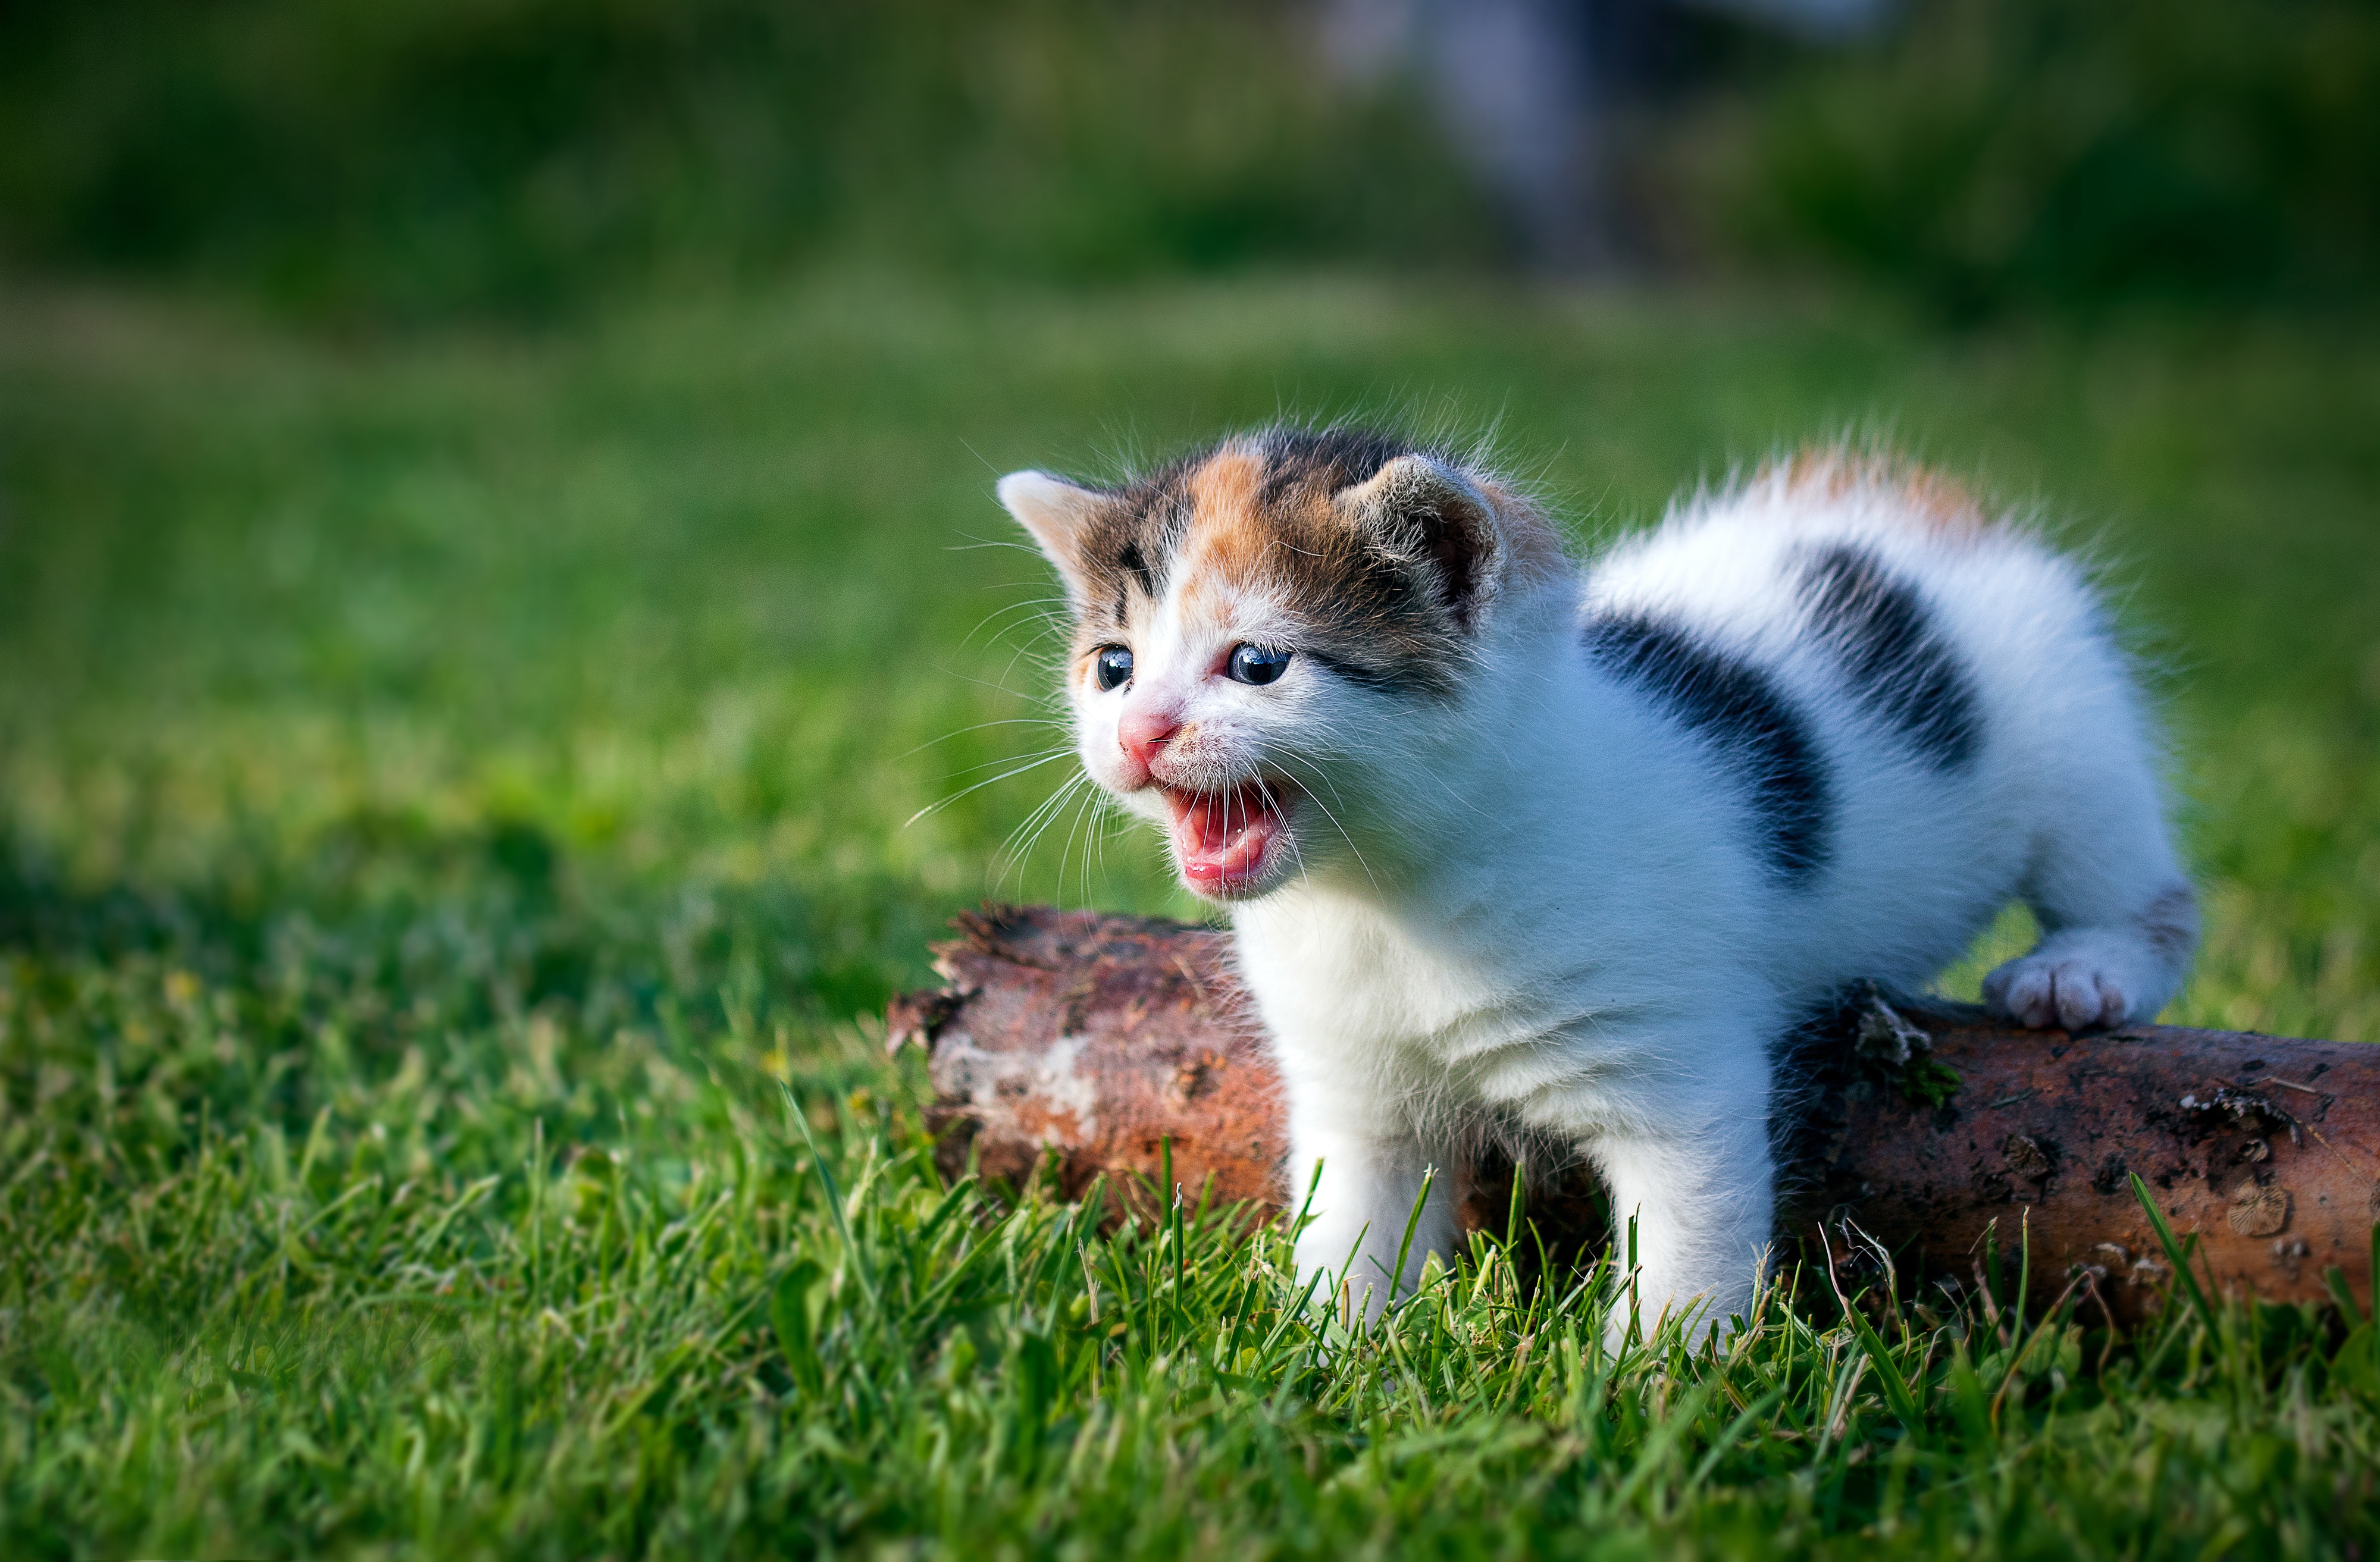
[(452, 856)]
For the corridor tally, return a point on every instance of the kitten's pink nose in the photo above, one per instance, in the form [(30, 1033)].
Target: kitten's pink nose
[(1143, 732)]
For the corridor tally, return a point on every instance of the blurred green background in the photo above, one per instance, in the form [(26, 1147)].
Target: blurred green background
[(503, 617), (520, 157)]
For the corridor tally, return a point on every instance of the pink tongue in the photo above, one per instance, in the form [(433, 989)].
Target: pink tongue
[(1221, 836)]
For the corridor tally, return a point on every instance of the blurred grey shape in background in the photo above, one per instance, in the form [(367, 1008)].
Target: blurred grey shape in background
[(1528, 88)]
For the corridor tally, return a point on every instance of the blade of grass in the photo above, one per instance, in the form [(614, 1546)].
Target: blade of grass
[(2336, 1279), (1412, 1224), (1727, 1439), (860, 1269), (2180, 1260), (1897, 1392)]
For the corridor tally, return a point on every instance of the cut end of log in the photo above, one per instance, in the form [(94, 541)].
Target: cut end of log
[(1095, 1040)]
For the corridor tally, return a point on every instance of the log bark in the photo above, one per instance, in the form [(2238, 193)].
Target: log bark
[(1095, 1040)]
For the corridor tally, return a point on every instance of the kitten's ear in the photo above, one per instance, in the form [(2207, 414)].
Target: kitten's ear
[(1060, 516), (1422, 509)]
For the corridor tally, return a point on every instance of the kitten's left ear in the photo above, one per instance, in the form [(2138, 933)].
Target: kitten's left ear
[(1424, 510), (1059, 516)]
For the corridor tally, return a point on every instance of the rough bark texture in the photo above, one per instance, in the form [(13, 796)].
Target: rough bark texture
[(1095, 1039)]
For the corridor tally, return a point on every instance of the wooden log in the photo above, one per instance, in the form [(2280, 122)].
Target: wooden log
[(1095, 1039)]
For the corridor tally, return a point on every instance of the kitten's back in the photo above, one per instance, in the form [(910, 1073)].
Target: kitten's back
[(1886, 673)]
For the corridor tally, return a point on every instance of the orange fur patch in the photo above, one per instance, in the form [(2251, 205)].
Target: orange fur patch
[(1942, 503), (1228, 537)]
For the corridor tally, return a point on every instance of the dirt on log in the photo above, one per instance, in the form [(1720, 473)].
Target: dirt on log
[(1093, 1040)]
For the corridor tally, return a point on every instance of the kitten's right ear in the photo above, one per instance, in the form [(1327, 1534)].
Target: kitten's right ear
[(1060, 516)]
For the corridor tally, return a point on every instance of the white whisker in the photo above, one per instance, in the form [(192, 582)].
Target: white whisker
[(991, 781), (978, 726)]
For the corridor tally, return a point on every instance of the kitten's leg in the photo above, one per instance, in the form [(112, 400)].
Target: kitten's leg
[(1703, 1202), (1371, 1169), (2119, 920)]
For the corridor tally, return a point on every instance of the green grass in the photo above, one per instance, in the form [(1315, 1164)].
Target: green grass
[(454, 787)]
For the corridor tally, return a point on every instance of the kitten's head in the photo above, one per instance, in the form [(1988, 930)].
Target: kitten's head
[(1265, 628)]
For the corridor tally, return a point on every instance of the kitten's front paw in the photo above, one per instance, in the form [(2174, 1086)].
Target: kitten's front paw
[(2073, 988)]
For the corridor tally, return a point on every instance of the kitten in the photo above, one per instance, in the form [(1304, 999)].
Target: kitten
[(1506, 851)]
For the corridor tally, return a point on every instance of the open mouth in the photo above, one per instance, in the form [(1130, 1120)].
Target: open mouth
[(1224, 841)]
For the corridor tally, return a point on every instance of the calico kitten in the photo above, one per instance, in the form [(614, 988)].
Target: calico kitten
[(1505, 851)]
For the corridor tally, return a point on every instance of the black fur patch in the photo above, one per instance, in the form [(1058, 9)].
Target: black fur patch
[(1899, 669), (1364, 676), (1327, 459), (1733, 706), (1133, 562)]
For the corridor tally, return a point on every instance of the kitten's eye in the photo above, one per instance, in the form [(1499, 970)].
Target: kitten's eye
[(1114, 666), (1254, 664)]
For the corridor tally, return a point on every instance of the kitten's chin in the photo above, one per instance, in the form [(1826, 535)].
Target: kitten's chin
[(1230, 845)]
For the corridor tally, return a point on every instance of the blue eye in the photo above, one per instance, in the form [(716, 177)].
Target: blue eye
[(1114, 666), (1254, 664)]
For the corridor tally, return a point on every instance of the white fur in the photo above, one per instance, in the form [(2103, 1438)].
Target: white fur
[(1538, 906)]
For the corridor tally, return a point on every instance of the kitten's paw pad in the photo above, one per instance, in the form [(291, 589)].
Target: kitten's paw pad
[(2069, 990)]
